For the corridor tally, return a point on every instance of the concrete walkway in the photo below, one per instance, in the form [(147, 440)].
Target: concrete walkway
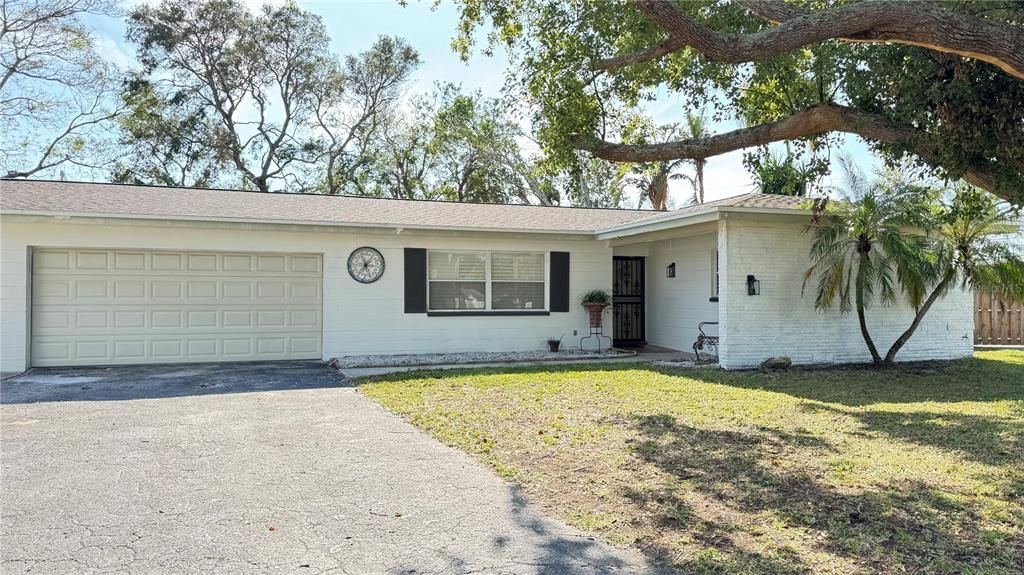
[(640, 357), (187, 469)]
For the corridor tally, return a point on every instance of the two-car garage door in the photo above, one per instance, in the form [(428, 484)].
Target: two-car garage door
[(102, 306)]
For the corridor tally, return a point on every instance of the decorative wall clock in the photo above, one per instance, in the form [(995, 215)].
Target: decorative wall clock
[(365, 265)]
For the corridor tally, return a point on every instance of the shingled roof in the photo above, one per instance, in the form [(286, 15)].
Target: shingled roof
[(159, 202), (117, 200)]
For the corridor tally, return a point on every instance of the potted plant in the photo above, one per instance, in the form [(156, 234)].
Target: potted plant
[(554, 343), (595, 301)]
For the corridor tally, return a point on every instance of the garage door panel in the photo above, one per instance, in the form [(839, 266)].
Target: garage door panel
[(49, 260), (95, 306), (156, 263), (51, 352), (130, 261), (271, 264), (92, 260), (128, 319), (140, 320), (100, 350), (305, 345), (128, 350), (306, 264), (57, 290), (128, 289)]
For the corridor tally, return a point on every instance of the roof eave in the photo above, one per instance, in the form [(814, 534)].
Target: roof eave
[(767, 211), (56, 214), (642, 227), (688, 219)]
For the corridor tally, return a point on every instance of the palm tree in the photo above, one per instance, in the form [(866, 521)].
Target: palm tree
[(697, 127), (966, 249), (652, 179), (860, 247)]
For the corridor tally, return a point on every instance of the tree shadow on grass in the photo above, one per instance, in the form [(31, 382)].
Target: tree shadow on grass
[(987, 439), (907, 527), (717, 553)]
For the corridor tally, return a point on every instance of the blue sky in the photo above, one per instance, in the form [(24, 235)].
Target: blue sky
[(354, 25)]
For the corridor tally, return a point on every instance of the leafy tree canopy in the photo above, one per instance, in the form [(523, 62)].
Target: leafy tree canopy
[(261, 92), (938, 82), (466, 147)]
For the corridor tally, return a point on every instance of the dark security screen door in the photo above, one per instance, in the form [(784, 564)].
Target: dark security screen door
[(628, 298)]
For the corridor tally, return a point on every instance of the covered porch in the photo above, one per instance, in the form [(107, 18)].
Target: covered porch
[(665, 285)]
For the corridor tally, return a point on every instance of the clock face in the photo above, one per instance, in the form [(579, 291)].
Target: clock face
[(365, 265)]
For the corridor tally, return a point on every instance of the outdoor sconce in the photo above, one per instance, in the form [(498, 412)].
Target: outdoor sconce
[(753, 286), (670, 270)]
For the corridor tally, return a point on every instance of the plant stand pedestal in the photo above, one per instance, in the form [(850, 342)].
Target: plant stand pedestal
[(596, 333)]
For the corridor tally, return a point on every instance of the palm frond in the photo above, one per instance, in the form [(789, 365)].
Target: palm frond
[(845, 302)]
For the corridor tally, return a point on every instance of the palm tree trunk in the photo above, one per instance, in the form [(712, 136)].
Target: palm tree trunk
[(875, 357), (890, 356), (659, 192), (700, 180)]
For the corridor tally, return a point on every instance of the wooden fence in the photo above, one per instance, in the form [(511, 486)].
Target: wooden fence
[(997, 321)]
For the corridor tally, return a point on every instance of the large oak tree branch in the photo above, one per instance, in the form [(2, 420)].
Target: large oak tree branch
[(895, 21), (811, 121)]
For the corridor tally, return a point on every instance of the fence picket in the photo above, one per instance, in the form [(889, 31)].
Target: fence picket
[(996, 321)]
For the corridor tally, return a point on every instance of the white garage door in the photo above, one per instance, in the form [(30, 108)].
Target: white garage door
[(101, 306)]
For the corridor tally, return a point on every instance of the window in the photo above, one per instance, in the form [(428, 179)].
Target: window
[(517, 280), (486, 281), (714, 274), (457, 280)]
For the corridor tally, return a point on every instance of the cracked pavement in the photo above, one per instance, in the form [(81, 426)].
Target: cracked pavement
[(260, 468)]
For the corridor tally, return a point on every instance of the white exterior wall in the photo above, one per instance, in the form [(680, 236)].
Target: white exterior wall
[(358, 318), (676, 305), (780, 322), (14, 311)]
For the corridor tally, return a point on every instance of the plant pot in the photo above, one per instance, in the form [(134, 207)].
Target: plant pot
[(553, 345), (596, 311)]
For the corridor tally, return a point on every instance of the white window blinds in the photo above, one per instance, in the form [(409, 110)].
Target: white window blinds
[(486, 280)]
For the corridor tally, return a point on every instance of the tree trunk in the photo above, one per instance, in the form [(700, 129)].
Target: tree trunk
[(657, 193), (700, 179), (890, 356), (875, 357), (868, 21), (261, 184), (812, 121)]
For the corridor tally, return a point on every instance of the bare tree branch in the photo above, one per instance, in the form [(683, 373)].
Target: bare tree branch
[(55, 87), (872, 21)]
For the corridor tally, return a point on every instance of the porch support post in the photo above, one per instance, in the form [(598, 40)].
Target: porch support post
[(725, 280)]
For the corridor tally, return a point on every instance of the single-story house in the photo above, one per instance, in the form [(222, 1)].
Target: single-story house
[(97, 274)]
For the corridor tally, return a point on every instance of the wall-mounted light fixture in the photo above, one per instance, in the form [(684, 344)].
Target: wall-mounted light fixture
[(753, 286), (670, 270)]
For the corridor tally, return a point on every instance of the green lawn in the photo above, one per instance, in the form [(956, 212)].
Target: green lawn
[(915, 470)]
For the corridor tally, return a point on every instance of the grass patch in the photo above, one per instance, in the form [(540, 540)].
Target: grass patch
[(914, 470)]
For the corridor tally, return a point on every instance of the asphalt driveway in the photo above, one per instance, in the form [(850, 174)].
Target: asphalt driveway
[(262, 468)]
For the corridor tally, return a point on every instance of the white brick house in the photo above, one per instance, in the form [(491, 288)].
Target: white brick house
[(96, 274)]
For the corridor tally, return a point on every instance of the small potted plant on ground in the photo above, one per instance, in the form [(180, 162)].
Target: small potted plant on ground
[(595, 301), (553, 343)]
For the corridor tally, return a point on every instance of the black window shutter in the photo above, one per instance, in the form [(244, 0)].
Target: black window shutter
[(415, 280), (559, 277)]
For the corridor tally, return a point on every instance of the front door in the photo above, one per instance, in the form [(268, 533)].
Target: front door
[(628, 299)]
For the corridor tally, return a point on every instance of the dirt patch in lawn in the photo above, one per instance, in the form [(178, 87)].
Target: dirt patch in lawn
[(842, 471)]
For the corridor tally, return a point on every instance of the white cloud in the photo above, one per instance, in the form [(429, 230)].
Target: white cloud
[(115, 52)]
